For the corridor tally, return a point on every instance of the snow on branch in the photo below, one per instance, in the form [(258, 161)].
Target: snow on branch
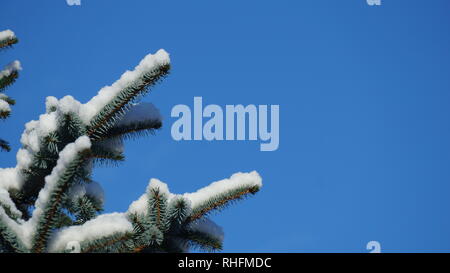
[(50, 197), (9, 74), (221, 193), (10, 178), (59, 150), (102, 226), (8, 204), (244, 183), (10, 69), (112, 102), (140, 206), (116, 223), (7, 38), (11, 231), (6, 35), (129, 78), (5, 109), (148, 72), (9, 100)]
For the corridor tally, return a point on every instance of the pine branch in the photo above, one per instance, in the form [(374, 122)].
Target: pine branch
[(202, 240), (5, 44), (10, 212), (4, 145), (221, 200), (84, 208), (104, 156), (9, 74), (43, 161), (95, 234), (118, 106), (63, 175), (5, 109), (178, 210), (49, 178), (8, 235), (71, 126), (8, 80), (7, 39), (7, 99), (132, 130), (7, 77), (63, 220), (157, 205), (113, 243)]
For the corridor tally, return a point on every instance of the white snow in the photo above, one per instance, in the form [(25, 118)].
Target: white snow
[(4, 106), (12, 225), (10, 179), (156, 184), (107, 93), (24, 159), (140, 206), (103, 225), (36, 130), (5, 199), (7, 35), (10, 68), (50, 102), (69, 104), (235, 181)]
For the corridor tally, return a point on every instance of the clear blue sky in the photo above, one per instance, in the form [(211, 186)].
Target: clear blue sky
[(364, 96)]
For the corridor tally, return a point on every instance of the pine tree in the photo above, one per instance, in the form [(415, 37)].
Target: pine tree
[(7, 77), (49, 202)]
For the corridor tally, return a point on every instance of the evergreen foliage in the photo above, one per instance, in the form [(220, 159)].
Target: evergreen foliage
[(49, 202), (8, 76)]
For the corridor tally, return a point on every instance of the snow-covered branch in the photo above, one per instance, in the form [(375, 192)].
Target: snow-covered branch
[(7, 38), (56, 184), (112, 102), (102, 226), (221, 193), (104, 107), (9, 74), (48, 201), (108, 225)]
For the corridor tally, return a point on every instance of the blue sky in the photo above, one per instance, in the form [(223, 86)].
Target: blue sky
[(364, 97)]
